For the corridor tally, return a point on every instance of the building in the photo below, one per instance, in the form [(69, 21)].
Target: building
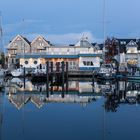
[(81, 56), (19, 45), (130, 52)]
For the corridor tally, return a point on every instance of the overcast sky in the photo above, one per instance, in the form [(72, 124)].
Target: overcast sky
[(65, 21)]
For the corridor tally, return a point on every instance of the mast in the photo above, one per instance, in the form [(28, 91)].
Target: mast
[(1, 34), (104, 9), (104, 51)]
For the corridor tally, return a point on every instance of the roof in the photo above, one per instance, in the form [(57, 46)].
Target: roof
[(124, 42), (48, 42), (83, 43)]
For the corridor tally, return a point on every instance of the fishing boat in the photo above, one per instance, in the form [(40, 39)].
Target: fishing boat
[(106, 72)]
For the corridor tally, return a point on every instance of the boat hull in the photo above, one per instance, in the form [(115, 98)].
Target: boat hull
[(106, 77)]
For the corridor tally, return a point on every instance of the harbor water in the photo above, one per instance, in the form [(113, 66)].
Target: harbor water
[(77, 110)]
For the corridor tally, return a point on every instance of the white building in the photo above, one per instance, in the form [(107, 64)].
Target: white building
[(82, 56)]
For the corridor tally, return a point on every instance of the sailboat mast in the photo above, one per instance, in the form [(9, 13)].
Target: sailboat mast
[(1, 34), (104, 36)]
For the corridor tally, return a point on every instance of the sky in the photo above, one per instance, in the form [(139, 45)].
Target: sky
[(66, 21)]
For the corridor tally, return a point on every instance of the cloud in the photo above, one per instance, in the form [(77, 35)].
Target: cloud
[(31, 28), (68, 38)]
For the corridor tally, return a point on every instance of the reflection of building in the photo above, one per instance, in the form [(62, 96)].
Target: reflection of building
[(83, 55), (77, 92), (125, 93), (115, 93), (40, 99), (18, 100), (17, 84)]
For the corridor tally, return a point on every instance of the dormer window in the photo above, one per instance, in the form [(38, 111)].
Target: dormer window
[(123, 42)]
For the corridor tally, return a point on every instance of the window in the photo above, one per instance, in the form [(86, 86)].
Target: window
[(123, 42), (12, 60), (88, 63), (26, 62), (84, 62), (70, 62), (35, 62)]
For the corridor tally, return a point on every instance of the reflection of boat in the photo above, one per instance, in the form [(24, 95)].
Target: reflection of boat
[(131, 97), (17, 72), (20, 85), (41, 69), (107, 87), (16, 80), (106, 72)]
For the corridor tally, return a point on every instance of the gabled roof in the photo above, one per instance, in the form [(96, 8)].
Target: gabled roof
[(41, 37), (123, 43), (21, 37), (132, 44)]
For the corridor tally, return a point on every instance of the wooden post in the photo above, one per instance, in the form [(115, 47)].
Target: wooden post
[(51, 67), (67, 82), (47, 78), (24, 76), (63, 76), (67, 69)]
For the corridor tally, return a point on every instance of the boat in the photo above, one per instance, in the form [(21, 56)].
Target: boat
[(2, 72), (17, 72), (106, 72)]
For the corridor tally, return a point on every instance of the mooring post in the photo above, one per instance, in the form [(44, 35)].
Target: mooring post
[(67, 82), (51, 67), (63, 76), (67, 69), (47, 78), (63, 71), (24, 76)]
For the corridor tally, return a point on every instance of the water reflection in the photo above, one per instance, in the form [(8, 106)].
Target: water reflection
[(23, 91), (81, 109)]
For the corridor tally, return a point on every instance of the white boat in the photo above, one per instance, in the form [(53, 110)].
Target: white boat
[(106, 72), (17, 72), (2, 72)]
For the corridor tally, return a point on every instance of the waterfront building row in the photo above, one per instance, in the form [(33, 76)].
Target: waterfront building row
[(80, 56)]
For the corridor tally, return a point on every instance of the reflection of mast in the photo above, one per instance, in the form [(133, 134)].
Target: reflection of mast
[(1, 119), (1, 34), (104, 11), (23, 97)]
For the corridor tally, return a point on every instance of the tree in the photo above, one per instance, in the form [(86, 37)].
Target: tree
[(111, 49), (2, 60)]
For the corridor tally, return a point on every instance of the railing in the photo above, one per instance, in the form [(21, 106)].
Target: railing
[(62, 53)]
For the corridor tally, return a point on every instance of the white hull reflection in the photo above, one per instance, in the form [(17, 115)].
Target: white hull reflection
[(17, 72)]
